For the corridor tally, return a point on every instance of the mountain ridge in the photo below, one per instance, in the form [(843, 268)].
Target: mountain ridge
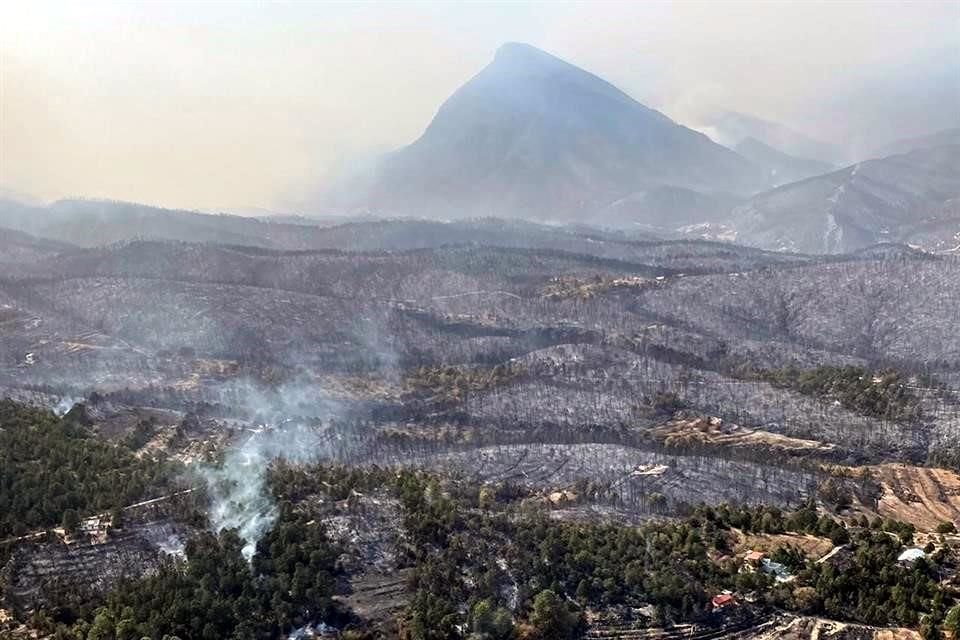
[(783, 167), (911, 198), (533, 136)]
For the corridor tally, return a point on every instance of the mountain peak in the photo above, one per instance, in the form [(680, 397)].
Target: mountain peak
[(519, 55), (534, 136), (521, 50)]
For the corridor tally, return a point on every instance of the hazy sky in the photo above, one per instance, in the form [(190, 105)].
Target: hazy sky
[(228, 105)]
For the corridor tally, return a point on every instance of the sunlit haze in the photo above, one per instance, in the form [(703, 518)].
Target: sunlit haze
[(237, 106)]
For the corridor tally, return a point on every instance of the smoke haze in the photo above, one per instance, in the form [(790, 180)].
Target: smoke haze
[(239, 105)]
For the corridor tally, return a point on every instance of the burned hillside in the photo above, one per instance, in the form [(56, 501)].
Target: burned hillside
[(576, 379)]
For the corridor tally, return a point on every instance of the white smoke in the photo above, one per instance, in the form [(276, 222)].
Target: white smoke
[(174, 546), (166, 537), (311, 631), (64, 404), (239, 496)]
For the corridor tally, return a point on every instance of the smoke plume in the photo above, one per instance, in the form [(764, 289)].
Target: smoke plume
[(237, 487)]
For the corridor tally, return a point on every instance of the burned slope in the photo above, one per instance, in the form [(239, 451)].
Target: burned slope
[(56, 573), (17, 247), (163, 315), (403, 234), (96, 222), (910, 198), (585, 253), (329, 272), (641, 482), (901, 309), (582, 388), (99, 224), (316, 309), (479, 342)]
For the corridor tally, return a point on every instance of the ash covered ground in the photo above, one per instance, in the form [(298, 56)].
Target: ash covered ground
[(601, 379)]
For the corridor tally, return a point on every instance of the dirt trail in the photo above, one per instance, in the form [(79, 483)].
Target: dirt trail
[(831, 553)]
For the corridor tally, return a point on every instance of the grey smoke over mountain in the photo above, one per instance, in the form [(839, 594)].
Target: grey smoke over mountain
[(534, 136), (140, 102)]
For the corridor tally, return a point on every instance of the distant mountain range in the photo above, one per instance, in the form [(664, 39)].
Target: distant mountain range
[(937, 139), (532, 137), (732, 129), (35, 231), (90, 223)]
